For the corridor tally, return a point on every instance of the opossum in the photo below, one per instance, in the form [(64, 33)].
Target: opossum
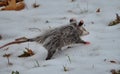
[(57, 38), (62, 36)]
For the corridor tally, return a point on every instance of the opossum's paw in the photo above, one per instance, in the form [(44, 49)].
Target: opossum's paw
[(86, 42)]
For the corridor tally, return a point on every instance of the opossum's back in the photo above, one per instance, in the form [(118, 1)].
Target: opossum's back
[(65, 36), (55, 38), (53, 42)]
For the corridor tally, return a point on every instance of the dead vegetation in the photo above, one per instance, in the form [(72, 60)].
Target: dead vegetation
[(8, 58), (65, 69), (115, 22), (111, 61), (0, 37), (113, 71), (3, 3), (15, 72), (12, 5), (27, 53), (98, 10), (15, 5), (35, 5)]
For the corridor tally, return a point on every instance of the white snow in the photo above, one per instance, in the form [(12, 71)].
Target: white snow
[(84, 59)]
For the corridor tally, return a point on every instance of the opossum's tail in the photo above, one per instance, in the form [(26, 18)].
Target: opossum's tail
[(18, 41)]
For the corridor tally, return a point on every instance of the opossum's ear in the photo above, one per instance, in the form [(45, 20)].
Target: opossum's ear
[(73, 20), (81, 23)]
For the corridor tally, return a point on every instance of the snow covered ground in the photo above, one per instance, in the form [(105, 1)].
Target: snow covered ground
[(99, 57)]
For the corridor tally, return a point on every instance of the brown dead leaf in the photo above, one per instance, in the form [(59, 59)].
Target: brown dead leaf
[(112, 61), (3, 3), (98, 10), (12, 5), (7, 55), (27, 53), (113, 71), (116, 21), (35, 5)]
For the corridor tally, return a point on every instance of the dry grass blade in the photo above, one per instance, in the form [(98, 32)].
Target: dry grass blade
[(0, 37), (8, 56), (65, 69)]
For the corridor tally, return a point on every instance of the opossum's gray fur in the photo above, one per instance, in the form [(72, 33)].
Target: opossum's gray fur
[(59, 37)]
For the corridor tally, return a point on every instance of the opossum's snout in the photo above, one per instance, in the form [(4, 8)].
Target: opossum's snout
[(83, 31)]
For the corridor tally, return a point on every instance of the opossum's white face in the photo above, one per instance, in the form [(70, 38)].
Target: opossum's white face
[(82, 30)]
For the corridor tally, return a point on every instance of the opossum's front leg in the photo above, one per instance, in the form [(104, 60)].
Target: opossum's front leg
[(50, 54)]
